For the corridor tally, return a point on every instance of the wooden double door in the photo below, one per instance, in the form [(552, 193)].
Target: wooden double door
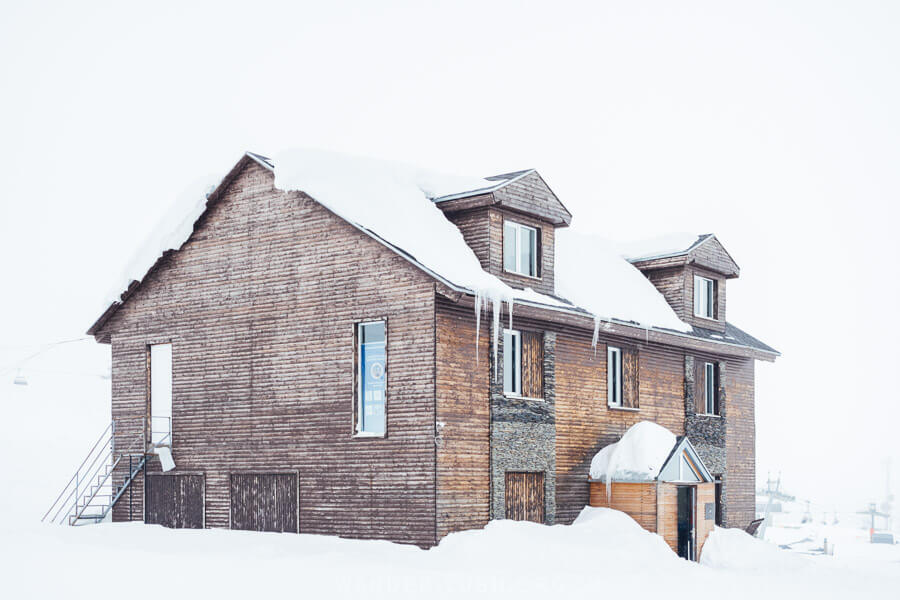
[(174, 500), (265, 502), (525, 496)]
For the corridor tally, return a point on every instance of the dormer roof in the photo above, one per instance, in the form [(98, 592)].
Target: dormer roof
[(520, 191), (683, 249)]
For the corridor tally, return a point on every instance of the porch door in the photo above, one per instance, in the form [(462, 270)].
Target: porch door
[(525, 496), (160, 393), (686, 521)]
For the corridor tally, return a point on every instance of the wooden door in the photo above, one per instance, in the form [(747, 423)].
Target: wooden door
[(264, 502), (174, 500), (525, 496)]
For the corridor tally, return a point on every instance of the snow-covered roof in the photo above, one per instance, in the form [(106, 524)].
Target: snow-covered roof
[(675, 244), (644, 453)]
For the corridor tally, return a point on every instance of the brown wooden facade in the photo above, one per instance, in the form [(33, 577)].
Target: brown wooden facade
[(260, 306)]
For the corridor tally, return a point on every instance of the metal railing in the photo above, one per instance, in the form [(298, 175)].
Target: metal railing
[(91, 482)]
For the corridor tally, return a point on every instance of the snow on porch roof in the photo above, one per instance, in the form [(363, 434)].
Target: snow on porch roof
[(646, 452), (389, 201)]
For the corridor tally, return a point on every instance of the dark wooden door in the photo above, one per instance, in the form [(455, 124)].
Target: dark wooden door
[(686, 522), (264, 502), (174, 500), (525, 496)]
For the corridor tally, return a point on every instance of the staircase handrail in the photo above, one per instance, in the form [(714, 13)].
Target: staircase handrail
[(109, 428)]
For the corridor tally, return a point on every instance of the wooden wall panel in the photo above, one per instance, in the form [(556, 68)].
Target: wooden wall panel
[(175, 500), (463, 421), (260, 306), (264, 502), (532, 364), (706, 494), (667, 508), (740, 442), (637, 500)]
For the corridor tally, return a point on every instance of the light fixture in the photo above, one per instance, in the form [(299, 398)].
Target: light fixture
[(20, 379)]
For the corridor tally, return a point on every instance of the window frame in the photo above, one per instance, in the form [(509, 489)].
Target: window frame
[(709, 297), (710, 389), (358, 394), (518, 249), (516, 335), (614, 384)]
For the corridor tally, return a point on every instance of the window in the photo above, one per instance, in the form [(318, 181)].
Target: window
[(613, 376), (719, 519), (512, 362), (160, 394), (523, 364), (372, 377), (622, 380), (520, 249), (704, 297), (710, 388)]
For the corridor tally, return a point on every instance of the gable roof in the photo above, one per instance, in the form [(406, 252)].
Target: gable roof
[(704, 250), (448, 273), (671, 467)]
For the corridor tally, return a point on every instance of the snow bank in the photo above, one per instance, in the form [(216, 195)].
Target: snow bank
[(738, 550), (638, 456)]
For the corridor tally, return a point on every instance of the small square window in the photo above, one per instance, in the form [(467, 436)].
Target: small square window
[(520, 252)]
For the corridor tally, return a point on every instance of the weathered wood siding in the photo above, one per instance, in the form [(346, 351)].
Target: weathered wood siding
[(264, 502), (740, 440), (667, 514), (463, 421), (584, 421), (260, 306)]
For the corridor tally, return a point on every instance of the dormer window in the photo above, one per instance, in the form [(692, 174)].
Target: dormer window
[(520, 249), (704, 297)]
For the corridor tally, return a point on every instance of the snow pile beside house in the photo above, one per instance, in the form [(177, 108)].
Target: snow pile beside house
[(738, 550), (638, 456)]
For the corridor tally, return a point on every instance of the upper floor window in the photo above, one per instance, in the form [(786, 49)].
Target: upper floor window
[(711, 388), (622, 383), (520, 249), (704, 297), (523, 363), (372, 377), (613, 376)]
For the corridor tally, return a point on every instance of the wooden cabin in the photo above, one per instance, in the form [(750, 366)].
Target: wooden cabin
[(308, 374), (679, 504)]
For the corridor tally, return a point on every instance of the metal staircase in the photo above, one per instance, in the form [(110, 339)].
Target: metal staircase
[(90, 494)]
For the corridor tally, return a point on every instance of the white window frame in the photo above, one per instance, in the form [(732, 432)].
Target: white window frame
[(518, 269), (360, 395), (613, 376), (516, 374), (709, 388), (704, 297)]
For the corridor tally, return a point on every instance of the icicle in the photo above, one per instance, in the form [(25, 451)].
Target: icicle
[(596, 335), (510, 305), (497, 308), (479, 299)]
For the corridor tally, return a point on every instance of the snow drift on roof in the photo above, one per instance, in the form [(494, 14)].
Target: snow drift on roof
[(390, 200), (638, 456)]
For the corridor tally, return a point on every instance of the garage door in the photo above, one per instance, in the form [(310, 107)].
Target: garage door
[(525, 496), (264, 502), (174, 500)]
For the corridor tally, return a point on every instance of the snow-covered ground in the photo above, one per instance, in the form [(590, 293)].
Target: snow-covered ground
[(51, 423)]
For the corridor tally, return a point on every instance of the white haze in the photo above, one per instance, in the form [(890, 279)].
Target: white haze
[(772, 124)]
